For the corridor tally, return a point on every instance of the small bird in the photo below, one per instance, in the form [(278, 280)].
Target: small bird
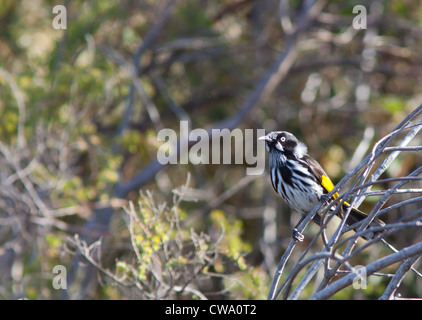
[(301, 182)]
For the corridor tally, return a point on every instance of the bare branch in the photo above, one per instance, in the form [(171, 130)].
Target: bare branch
[(409, 252)]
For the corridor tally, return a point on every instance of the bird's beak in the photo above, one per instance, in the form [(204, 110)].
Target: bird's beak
[(266, 138)]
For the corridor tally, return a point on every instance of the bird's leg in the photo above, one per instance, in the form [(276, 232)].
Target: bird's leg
[(296, 235)]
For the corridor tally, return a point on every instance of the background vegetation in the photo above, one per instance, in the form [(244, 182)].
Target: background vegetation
[(80, 185)]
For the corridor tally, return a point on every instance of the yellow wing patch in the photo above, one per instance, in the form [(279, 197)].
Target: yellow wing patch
[(328, 185)]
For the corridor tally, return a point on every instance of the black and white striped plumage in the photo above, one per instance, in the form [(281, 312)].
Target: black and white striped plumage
[(299, 179)]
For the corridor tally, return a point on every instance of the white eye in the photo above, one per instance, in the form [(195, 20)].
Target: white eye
[(282, 139)]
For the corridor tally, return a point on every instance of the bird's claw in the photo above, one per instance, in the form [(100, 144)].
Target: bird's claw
[(297, 235), (324, 199)]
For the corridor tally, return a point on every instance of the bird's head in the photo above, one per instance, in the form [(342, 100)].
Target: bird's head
[(284, 142)]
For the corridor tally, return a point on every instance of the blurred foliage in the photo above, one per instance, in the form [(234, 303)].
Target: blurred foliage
[(170, 258), (66, 144)]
